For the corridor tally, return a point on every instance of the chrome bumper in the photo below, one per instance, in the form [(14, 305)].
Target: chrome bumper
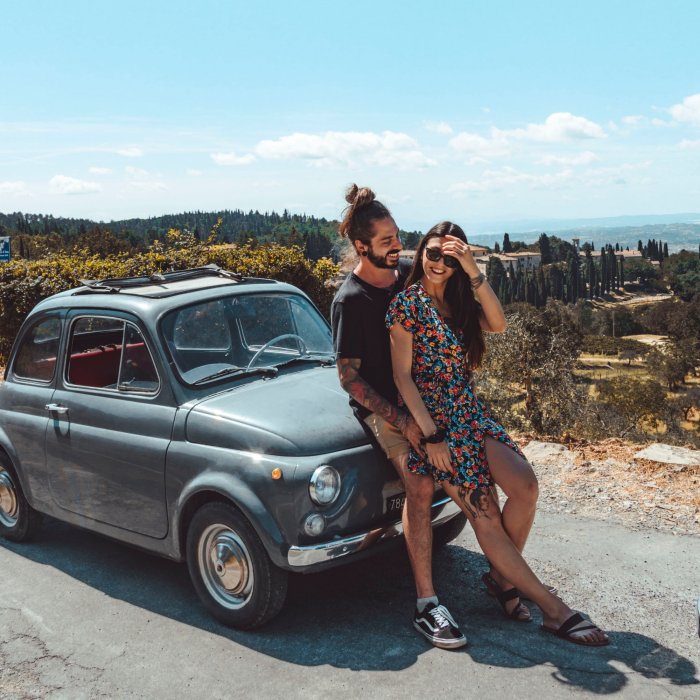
[(443, 510)]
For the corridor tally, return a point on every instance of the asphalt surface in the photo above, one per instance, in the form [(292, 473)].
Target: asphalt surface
[(85, 617)]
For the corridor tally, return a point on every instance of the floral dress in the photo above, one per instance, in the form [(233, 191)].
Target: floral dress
[(441, 374)]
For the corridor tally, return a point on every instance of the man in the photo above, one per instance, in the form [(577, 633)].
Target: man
[(364, 365)]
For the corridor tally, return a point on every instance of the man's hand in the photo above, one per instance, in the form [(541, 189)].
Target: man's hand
[(413, 434)]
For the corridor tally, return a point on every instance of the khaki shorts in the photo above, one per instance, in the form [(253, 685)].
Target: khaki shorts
[(388, 436)]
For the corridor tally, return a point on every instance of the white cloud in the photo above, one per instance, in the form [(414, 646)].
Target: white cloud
[(632, 119), (466, 142), (559, 126), (507, 177), (232, 159), (347, 148), (510, 179), (13, 188), (438, 127), (131, 152), (687, 144), (147, 185), (136, 173), (100, 171), (688, 110), (583, 158), (62, 184), (193, 173), (660, 122)]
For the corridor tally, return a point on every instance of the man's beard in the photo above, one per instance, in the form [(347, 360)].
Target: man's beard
[(381, 261)]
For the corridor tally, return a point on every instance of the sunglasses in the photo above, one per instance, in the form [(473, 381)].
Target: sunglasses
[(434, 254)]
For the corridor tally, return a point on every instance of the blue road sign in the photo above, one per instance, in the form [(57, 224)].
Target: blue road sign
[(4, 249)]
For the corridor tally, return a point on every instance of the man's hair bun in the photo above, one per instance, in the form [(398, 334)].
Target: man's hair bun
[(359, 196)]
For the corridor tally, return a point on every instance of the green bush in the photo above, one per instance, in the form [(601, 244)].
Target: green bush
[(25, 283)]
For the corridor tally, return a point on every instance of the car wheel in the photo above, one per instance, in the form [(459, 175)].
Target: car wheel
[(18, 520), (231, 570), (445, 533)]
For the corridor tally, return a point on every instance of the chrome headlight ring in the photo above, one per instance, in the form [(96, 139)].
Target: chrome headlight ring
[(324, 485)]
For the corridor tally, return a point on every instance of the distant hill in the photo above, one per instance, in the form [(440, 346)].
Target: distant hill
[(677, 235)]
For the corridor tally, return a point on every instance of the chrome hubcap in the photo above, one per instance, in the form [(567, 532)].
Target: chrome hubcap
[(8, 500), (225, 566)]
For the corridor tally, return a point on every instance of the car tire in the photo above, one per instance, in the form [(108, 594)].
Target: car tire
[(18, 520), (445, 533), (230, 569)]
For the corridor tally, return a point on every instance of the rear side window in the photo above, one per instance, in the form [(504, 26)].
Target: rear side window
[(109, 353), (36, 355)]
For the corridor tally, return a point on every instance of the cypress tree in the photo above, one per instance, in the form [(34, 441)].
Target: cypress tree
[(507, 247), (603, 271), (622, 272), (545, 249)]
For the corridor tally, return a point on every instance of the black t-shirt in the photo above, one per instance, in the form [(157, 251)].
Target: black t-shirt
[(357, 316)]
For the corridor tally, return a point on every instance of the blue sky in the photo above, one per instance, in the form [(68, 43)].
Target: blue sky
[(473, 111)]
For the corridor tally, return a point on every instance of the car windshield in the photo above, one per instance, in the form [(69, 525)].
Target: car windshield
[(235, 335)]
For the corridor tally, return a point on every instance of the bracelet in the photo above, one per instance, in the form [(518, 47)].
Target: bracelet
[(478, 281), (435, 438)]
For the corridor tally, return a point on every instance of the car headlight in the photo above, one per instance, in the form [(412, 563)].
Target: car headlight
[(324, 486)]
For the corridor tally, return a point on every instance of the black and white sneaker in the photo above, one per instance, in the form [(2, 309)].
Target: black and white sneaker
[(437, 625)]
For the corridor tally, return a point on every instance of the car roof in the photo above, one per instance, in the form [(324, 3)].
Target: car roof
[(151, 296)]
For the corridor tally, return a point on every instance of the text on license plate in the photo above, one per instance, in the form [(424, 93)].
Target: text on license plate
[(394, 504)]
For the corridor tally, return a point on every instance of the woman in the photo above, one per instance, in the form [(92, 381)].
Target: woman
[(436, 326)]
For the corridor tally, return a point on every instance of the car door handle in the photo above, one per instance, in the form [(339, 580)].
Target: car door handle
[(56, 408)]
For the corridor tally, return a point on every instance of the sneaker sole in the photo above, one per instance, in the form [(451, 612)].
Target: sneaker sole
[(442, 643)]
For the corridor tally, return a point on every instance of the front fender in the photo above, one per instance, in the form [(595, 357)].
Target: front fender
[(219, 485)]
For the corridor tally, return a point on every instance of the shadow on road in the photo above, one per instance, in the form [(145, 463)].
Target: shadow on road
[(358, 616)]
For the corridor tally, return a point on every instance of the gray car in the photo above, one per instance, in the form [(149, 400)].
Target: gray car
[(197, 415)]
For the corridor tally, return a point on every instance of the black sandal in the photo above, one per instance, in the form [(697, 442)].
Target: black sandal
[(575, 624), (504, 596)]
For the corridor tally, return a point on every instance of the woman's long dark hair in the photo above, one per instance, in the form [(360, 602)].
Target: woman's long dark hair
[(464, 307)]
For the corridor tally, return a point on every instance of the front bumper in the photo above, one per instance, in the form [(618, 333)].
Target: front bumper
[(443, 510)]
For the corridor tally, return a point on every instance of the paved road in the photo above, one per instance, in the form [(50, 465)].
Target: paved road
[(83, 617)]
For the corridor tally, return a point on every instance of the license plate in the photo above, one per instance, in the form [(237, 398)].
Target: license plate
[(394, 504)]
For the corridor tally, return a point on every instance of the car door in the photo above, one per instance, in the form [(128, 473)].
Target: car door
[(25, 395), (112, 420)]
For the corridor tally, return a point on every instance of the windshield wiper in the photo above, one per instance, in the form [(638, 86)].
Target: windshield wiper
[(238, 372), (324, 359)]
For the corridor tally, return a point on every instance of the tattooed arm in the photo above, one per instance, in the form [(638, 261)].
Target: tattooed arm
[(365, 395)]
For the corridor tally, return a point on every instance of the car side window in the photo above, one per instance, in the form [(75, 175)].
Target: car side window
[(138, 373), (109, 353), (36, 355)]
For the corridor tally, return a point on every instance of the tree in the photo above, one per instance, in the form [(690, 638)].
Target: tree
[(495, 272), (635, 402), (507, 247), (671, 364), (683, 273), (536, 355), (545, 249), (641, 271)]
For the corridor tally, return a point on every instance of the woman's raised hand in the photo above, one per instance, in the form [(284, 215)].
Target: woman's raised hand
[(457, 248)]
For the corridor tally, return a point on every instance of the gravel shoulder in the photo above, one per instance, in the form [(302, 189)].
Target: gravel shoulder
[(605, 481)]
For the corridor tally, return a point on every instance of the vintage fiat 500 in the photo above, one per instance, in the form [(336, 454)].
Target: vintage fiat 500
[(197, 415)]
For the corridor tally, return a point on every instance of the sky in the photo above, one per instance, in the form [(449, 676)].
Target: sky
[(467, 110)]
